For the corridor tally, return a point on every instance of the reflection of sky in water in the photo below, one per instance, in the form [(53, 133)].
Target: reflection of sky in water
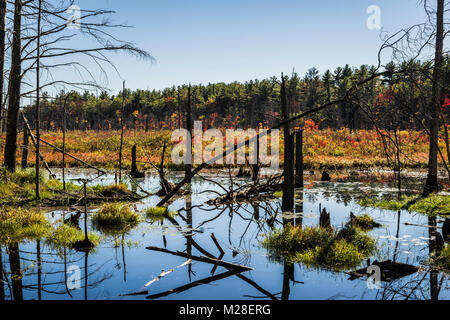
[(109, 277)]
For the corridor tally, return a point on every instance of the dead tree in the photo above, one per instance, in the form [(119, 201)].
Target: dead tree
[(188, 164), (431, 184), (288, 163), (53, 38), (299, 159), (38, 101), (121, 132), (135, 173), (25, 144), (14, 91), (2, 57)]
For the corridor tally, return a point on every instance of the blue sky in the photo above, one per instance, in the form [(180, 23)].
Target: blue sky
[(201, 41)]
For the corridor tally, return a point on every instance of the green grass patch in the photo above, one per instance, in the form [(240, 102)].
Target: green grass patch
[(432, 205), (18, 224), (443, 261), (320, 247), (115, 218), (65, 236), (363, 222), (159, 213)]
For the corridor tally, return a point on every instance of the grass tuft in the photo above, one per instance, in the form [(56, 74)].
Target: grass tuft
[(320, 247), (18, 224), (115, 218)]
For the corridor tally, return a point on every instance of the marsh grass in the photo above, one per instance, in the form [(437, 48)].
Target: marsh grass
[(115, 218), (65, 236), (432, 205), (364, 222), (112, 191), (18, 224), (155, 214), (18, 188), (320, 247)]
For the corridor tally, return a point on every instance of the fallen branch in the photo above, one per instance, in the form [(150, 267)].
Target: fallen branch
[(228, 265), (194, 284), (33, 139)]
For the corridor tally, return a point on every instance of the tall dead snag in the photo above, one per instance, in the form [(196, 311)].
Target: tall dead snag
[(2, 56), (121, 133), (299, 159), (135, 173), (431, 184), (188, 164), (25, 147), (38, 102), (14, 91), (255, 166), (288, 163)]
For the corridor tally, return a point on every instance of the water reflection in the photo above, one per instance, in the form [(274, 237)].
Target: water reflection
[(229, 233)]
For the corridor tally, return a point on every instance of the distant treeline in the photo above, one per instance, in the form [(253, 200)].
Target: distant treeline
[(393, 102)]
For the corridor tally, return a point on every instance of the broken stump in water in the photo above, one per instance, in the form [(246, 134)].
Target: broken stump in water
[(325, 177), (135, 173), (325, 221)]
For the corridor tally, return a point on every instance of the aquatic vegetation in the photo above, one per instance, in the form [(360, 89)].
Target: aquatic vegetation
[(65, 236), (320, 247), (278, 194), (443, 261), (114, 190), (18, 224), (432, 205), (115, 218), (364, 222), (159, 213)]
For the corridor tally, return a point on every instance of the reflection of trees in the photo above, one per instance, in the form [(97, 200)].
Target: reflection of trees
[(425, 284), (16, 274), (2, 278), (191, 244), (19, 272)]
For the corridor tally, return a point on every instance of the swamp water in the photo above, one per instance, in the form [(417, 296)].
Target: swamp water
[(121, 265)]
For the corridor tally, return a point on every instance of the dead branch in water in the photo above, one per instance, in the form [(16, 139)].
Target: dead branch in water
[(228, 265)]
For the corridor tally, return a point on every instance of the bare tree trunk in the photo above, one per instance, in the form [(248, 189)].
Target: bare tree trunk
[(447, 144), (2, 57), (188, 166), (14, 91), (38, 103), (288, 166), (299, 159), (432, 179), (121, 133), (25, 147)]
